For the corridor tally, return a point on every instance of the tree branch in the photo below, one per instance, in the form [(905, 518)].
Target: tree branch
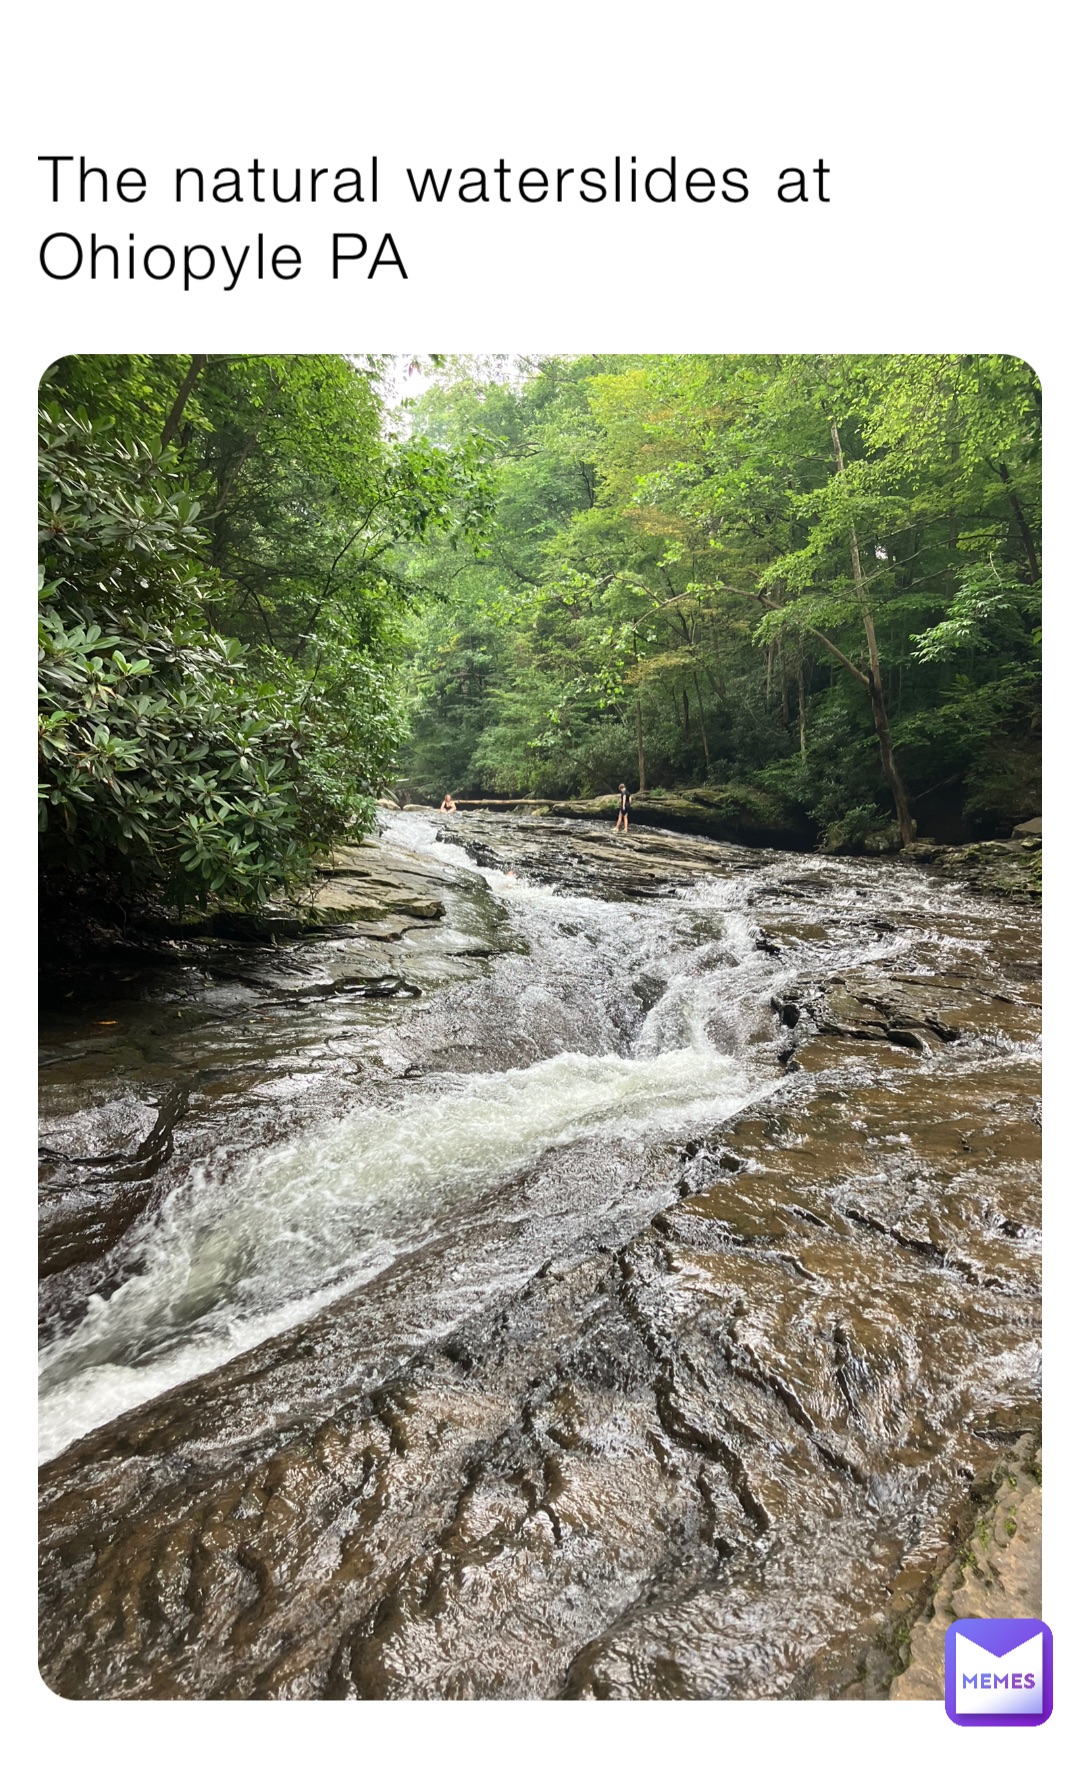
[(172, 423), (758, 596)]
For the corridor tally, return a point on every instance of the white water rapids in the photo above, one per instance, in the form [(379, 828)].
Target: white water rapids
[(249, 1247)]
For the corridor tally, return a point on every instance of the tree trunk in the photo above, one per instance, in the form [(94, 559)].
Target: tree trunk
[(640, 749), (1025, 533), (888, 763), (701, 718), (874, 685), (172, 423), (802, 710)]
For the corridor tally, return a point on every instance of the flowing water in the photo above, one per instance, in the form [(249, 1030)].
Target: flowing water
[(243, 1250), (682, 1193)]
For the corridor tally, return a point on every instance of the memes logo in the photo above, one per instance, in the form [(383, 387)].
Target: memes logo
[(999, 1672)]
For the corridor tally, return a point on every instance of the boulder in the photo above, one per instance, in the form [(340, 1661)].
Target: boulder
[(361, 883)]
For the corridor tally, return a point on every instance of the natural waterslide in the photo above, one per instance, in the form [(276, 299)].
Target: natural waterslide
[(623, 1284)]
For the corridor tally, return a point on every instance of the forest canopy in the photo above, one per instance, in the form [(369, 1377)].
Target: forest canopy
[(271, 590), (815, 579)]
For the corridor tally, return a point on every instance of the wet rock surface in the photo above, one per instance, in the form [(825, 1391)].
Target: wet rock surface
[(359, 883), (685, 1376), (728, 814), (996, 1573), (146, 1062), (1012, 868)]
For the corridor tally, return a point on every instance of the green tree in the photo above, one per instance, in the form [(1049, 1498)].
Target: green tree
[(220, 614), (756, 568)]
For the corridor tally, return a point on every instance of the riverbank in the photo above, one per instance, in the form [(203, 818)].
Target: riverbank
[(629, 1302), (728, 814), (1012, 866)]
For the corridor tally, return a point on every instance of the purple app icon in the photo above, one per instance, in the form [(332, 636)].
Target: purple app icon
[(999, 1672)]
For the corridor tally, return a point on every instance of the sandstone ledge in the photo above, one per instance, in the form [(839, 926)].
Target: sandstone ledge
[(997, 1573), (1010, 869)]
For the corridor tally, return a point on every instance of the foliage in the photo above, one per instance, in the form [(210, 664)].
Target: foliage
[(987, 613), (218, 621), (674, 543), (761, 576), (158, 762)]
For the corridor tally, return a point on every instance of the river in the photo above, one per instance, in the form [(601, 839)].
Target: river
[(622, 1285)]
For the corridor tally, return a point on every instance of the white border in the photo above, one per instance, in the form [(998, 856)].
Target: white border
[(949, 229)]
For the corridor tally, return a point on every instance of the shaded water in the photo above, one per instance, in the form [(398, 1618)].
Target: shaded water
[(637, 1403)]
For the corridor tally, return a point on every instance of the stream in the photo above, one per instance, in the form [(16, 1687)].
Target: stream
[(620, 1285)]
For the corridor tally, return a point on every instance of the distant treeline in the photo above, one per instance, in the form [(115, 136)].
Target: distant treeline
[(818, 577)]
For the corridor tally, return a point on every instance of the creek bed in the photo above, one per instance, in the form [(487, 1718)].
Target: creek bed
[(622, 1285)]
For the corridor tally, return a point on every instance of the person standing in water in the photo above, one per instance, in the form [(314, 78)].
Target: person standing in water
[(622, 822), (448, 804)]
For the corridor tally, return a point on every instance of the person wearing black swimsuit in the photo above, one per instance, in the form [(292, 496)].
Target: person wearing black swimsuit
[(622, 822)]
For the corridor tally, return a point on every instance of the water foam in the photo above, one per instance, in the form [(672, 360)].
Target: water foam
[(233, 1258), (248, 1249)]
